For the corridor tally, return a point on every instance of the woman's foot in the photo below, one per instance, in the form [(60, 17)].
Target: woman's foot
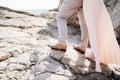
[(77, 47), (89, 55), (58, 46)]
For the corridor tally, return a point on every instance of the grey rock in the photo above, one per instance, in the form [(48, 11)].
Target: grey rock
[(50, 76), (47, 64)]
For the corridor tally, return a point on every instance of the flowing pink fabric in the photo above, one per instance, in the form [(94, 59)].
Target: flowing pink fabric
[(101, 32)]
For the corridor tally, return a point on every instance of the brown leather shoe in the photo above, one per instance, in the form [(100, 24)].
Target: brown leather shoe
[(59, 46), (78, 48)]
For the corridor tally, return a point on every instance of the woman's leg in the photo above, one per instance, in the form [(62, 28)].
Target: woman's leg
[(67, 9), (84, 32)]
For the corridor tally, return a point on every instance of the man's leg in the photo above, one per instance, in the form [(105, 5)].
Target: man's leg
[(67, 9), (84, 31)]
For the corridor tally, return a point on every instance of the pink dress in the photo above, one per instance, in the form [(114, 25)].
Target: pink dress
[(101, 32)]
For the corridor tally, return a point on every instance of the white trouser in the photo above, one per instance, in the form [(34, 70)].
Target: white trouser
[(67, 9)]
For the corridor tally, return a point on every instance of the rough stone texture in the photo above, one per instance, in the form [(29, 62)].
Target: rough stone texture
[(71, 65), (23, 20), (24, 54)]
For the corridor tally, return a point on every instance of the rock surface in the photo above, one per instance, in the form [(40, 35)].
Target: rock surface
[(24, 54)]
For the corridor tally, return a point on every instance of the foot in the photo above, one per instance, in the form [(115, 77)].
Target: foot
[(89, 55), (77, 47), (59, 46)]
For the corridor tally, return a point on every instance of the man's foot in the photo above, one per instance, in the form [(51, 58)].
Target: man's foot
[(59, 46), (77, 47)]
